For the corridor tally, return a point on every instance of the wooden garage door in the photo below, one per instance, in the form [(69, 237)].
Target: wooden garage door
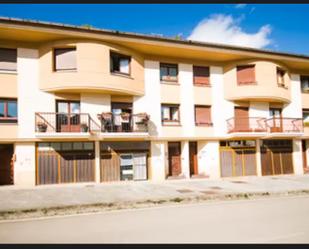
[(237, 161), (65, 163), (276, 157), (110, 167), (6, 164)]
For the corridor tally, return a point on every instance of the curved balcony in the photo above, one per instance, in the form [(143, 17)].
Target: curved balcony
[(255, 124), (270, 125), (261, 85), (93, 70)]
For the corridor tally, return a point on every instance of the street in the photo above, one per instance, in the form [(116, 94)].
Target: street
[(270, 220)]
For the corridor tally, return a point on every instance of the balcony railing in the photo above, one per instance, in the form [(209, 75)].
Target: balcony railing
[(285, 125), (256, 124), (124, 122), (270, 125), (64, 122)]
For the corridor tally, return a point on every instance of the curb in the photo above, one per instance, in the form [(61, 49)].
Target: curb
[(99, 207)]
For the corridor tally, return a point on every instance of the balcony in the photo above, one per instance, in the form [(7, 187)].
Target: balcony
[(284, 125), (256, 124), (264, 125), (123, 122), (50, 122)]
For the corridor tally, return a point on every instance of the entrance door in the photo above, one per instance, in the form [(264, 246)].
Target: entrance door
[(6, 164), (140, 166), (174, 158), (304, 147), (241, 119), (193, 158), (276, 124), (68, 116)]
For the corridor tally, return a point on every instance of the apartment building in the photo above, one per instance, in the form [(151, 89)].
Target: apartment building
[(79, 104)]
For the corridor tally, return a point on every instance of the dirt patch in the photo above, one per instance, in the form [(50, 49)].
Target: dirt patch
[(209, 192), (99, 207), (239, 182), (215, 187), (184, 191)]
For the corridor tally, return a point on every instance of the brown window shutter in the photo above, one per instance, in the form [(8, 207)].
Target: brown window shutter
[(245, 74), (65, 59), (202, 115), (8, 59), (200, 75)]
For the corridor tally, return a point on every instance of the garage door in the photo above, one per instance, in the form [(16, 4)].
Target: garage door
[(124, 161), (65, 162), (237, 158), (276, 157)]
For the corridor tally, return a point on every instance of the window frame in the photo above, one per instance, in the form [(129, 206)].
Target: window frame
[(203, 124), (55, 64), (281, 70), (305, 110), (120, 56), (301, 83), (2, 70), (253, 81), (7, 119), (201, 84), (168, 66), (170, 122)]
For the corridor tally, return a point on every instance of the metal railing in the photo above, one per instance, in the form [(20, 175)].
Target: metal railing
[(64, 122), (124, 123), (252, 124), (285, 125), (259, 124)]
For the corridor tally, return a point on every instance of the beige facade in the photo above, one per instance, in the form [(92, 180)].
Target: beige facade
[(190, 147)]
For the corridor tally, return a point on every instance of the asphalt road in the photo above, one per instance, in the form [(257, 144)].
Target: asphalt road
[(271, 220)]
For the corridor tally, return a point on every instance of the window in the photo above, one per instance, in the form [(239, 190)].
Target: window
[(120, 63), (304, 83), (168, 72), (170, 114), (280, 76), (202, 115), (306, 117), (8, 59), (65, 59), (8, 110), (246, 74), (201, 76)]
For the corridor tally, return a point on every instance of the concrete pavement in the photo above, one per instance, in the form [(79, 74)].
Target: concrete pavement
[(129, 192), (271, 220)]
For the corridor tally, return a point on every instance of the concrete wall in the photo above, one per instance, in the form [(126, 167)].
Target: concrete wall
[(294, 108), (157, 161), (186, 99), (209, 159), (221, 108), (24, 166), (30, 98), (94, 104)]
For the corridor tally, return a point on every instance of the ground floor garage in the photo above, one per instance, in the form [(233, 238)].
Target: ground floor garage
[(238, 158), (120, 161), (53, 162), (277, 157), (66, 162)]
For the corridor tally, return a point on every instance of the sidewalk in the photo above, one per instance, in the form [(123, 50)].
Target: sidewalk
[(14, 198)]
